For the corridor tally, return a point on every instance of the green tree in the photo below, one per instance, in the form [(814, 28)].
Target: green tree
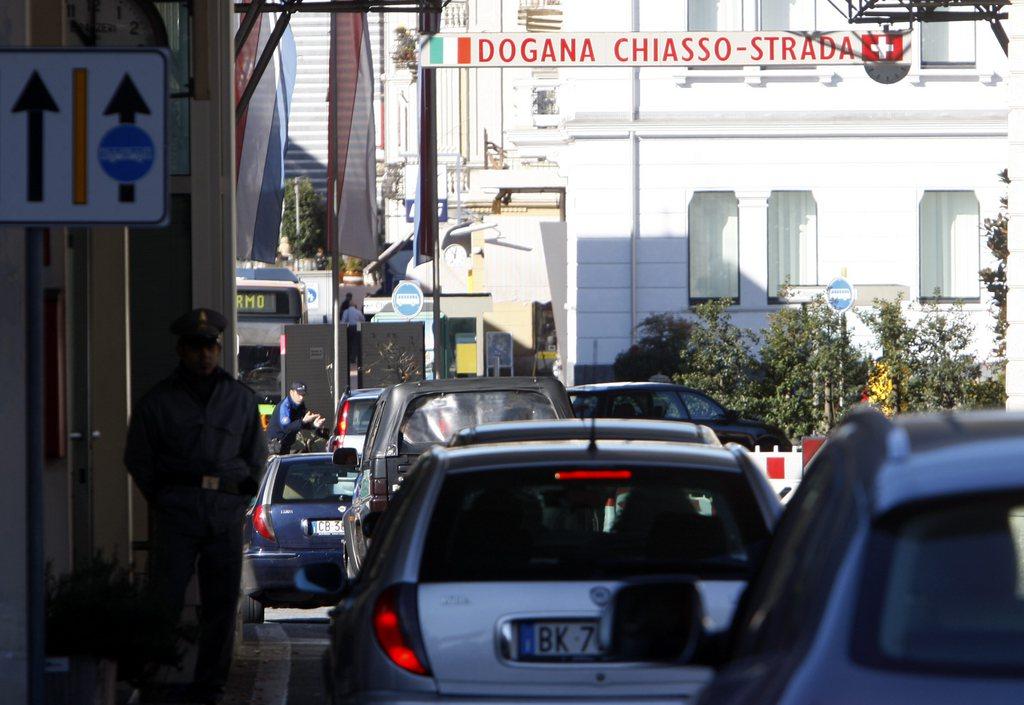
[(312, 218), (991, 391), (945, 373), (812, 370), (662, 339), (895, 336), (995, 277), (719, 358), (930, 363)]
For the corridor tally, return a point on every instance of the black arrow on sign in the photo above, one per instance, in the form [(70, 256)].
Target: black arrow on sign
[(126, 102), (34, 100)]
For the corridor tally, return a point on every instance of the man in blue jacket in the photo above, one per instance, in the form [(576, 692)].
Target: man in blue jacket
[(289, 417)]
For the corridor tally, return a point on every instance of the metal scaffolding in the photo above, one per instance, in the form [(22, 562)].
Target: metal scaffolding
[(890, 12), (286, 8)]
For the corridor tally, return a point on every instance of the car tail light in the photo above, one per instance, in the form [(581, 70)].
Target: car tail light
[(342, 427), (593, 475), (261, 522), (379, 486), (396, 624)]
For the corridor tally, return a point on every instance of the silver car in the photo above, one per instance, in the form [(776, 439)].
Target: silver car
[(486, 579), (895, 576)]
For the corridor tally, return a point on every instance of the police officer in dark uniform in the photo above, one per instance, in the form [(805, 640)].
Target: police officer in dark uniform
[(196, 451), (291, 416)]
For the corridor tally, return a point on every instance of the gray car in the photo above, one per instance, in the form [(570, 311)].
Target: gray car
[(896, 574), (585, 429), (486, 579)]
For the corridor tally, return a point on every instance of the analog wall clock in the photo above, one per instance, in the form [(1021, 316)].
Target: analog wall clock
[(114, 23), (887, 71)]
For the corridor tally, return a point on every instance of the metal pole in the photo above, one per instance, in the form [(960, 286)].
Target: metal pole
[(458, 188), (295, 181), (336, 323), (430, 23), (264, 60), (252, 13), (34, 462)]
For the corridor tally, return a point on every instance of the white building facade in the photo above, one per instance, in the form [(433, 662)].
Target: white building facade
[(685, 185), (682, 185)]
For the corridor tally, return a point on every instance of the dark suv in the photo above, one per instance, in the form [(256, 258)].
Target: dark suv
[(412, 417), (674, 402)]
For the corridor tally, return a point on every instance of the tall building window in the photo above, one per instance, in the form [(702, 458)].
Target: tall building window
[(787, 14), (950, 245), (792, 240), (714, 15), (947, 43), (714, 246)]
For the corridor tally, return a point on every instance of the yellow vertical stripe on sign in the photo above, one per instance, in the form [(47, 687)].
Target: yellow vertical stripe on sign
[(80, 168)]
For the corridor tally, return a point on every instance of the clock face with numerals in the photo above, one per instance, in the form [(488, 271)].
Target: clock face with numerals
[(114, 23), (887, 71), (456, 257)]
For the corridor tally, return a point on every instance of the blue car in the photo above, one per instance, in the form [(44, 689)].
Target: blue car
[(295, 520)]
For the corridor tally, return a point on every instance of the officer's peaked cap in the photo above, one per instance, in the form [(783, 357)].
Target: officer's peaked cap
[(204, 323)]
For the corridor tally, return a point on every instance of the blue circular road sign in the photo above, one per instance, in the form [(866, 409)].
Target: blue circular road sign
[(407, 299), (126, 153), (839, 295)]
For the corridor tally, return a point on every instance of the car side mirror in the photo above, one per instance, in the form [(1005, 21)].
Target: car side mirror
[(731, 415), (346, 457), (320, 579), (653, 620)]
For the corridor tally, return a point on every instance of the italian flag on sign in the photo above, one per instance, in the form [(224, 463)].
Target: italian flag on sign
[(449, 50)]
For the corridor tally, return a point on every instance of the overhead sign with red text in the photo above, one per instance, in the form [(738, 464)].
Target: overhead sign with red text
[(499, 50)]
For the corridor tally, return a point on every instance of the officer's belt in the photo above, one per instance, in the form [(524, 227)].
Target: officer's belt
[(206, 482)]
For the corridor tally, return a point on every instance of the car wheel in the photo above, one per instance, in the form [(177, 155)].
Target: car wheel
[(252, 611)]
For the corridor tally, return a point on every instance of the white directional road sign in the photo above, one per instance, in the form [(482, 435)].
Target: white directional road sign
[(84, 135)]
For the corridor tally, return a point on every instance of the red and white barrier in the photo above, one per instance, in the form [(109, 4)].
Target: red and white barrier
[(785, 470)]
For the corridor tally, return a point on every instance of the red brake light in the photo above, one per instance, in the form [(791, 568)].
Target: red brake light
[(261, 522), (343, 420), (594, 475), (388, 628)]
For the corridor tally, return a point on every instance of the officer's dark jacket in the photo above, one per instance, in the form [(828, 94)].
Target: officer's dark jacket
[(286, 419), (286, 422), (174, 437)]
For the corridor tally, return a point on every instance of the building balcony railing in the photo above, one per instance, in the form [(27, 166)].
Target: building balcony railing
[(455, 16)]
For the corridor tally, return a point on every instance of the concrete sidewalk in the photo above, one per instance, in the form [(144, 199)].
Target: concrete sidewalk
[(276, 663), (262, 667)]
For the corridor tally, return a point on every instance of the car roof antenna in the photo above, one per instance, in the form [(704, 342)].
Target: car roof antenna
[(593, 416)]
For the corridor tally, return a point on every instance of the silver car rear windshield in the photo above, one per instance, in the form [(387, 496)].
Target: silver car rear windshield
[(945, 590), (432, 419), (360, 411), (582, 523)]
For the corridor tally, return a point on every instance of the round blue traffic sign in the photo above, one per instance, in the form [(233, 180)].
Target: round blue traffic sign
[(126, 153), (311, 296), (839, 295), (407, 299)]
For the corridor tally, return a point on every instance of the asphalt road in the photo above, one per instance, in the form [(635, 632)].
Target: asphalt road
[(279, 662)]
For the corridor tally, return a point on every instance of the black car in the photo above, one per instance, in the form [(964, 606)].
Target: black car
[(412, 417), (674, 402)]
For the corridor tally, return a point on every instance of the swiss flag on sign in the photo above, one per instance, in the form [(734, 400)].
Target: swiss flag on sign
[(882, 47)]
